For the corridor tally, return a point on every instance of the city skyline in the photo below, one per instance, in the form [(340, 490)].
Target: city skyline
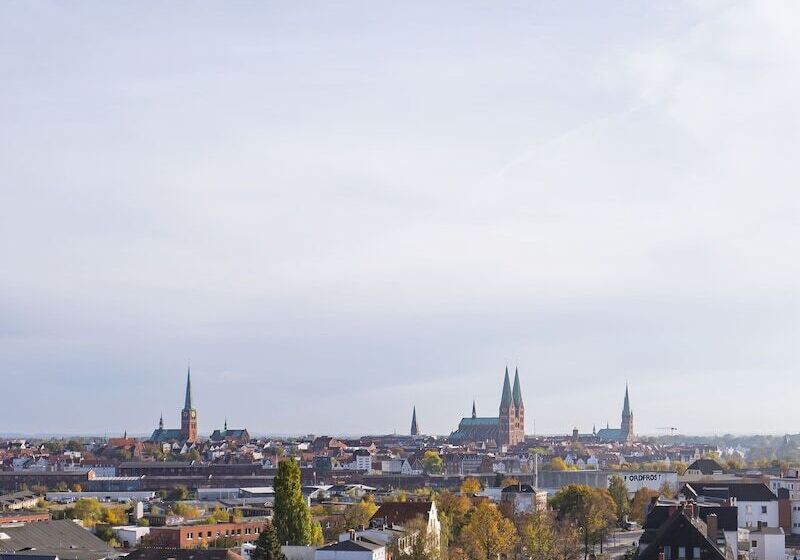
[(373, 206)]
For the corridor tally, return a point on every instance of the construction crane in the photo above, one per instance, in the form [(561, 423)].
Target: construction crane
[(672, 429)]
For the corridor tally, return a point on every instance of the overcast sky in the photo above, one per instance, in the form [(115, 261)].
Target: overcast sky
[(337, 210)]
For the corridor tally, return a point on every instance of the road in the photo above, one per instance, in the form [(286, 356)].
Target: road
[(619, 543)]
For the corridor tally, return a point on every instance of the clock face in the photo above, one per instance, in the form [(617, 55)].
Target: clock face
[(194, 414)]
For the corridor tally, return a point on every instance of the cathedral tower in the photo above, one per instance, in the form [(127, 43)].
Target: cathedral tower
[(507, 415), (189, 414), (627, 418)]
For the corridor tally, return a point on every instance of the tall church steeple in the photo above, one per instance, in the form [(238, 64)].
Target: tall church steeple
[(517, 392), (189, 414), (627, 418), (187, 405), (414, 425), (474, 413)]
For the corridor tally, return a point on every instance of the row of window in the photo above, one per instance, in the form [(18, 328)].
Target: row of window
[(228, 533), (682, 552)]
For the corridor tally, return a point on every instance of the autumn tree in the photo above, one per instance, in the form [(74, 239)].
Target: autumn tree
[(558, 464), (291, 515), (358, 514), (537, 536), (432, 463), (453, 511), (619, 493), (641, 501), (591, 509), (471, 485), (488, 534)]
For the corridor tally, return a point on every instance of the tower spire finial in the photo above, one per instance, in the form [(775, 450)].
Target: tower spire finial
[(474, 413), (187, 405), (414, 425)]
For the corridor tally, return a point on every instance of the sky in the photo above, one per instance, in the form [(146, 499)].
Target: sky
[(339, 210)]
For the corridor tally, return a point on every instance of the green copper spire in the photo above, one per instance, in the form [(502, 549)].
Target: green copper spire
[(517, 390), (414, 425), (506, 399), (187, 405), (626, 407)]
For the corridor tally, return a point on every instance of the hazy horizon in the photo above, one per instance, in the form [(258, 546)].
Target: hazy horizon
[(340, 211)]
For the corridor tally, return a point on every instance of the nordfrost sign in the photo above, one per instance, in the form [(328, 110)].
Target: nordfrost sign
[(652, 480)]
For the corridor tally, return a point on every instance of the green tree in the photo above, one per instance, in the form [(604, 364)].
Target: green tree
[(432, 463), (268, 547), (358, 515), (538, 536), (488, 534), (317, 537), (291, 515), (179, 492), (619, 493)]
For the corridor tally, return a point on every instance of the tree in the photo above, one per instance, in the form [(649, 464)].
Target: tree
[(619, 493), (641, 501), (432, 463), (88, 510), (666, 490), (179, 492), (422, 547), (591, 509), (538, 536), (488, 534), (453, 511), (358, 515), (268, 547), (317, 538), (114, 516), (77, 487), (471, 485), (291, 515), (679, 467), (558, 464)]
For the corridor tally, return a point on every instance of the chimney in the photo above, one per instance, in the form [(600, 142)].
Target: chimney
[(712, 527), (352, 534)]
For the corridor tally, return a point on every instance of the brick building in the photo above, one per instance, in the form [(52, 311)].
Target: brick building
[(192, 536)]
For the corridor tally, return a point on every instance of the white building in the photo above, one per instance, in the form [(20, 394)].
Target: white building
[(767, 543), (351, 549), (130, 536), (757, 504)]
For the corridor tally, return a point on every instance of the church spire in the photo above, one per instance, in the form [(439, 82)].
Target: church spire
[(626, 406), (474, 413), (414, 425), (506, 399), (225, 427), (161, 422), (517, 393), (188, 403)]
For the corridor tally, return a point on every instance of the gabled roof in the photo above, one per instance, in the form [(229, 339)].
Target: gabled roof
[(679, 526), (706, 466), (741, 491), (183, 554), (352, 546), (63, 538), (397, 513)]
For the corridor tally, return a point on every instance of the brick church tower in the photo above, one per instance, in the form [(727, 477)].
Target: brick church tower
[(189, 414), (512, 413), (627, 418)]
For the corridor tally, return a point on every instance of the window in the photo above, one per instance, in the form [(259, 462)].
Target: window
[(681, 552), (667, 551), (696, 553), (189, 536), (754, 544), (763, 509), (748, 508)]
